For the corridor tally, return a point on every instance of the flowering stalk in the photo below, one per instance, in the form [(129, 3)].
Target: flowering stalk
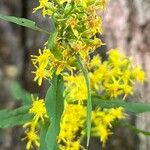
[(75, 76)]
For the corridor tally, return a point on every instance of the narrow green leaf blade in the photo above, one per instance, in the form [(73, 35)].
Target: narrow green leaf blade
[(6, 113), (89, 101), (20, 94), (136, 130), (55, 106), (15, 121), (11, 118), (128, 106), (43, 132), (22, 22)]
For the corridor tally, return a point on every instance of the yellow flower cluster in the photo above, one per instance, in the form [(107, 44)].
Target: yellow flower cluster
[(75, 88), (73, 122), (102, 122), (39, 111), (49, 8), (111, 78), (46, 64), (76, 26), (46, 6), (71, 127)]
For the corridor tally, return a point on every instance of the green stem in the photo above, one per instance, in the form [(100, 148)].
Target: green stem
[(89, 102)]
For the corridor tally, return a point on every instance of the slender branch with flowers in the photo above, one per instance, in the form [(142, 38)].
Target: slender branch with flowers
[(77, 76)]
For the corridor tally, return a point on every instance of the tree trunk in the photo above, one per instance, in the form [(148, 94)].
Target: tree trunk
[(127, 27)]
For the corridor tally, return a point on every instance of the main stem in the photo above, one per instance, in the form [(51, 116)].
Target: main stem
[(89, 102)]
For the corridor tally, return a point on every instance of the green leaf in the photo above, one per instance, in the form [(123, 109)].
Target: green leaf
[(136, 130), (11, 118), (52, 47), (55, 106), (20, 94), (89, 101), (43, 132), (22, 22), (128, 106)]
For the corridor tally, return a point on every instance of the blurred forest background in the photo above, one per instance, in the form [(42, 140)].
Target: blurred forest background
[(126, 26)]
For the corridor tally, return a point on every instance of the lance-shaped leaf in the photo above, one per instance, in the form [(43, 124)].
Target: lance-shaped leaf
[(55, 106), (22, 22), (135, 130), (11, 118), (20, 94), (43, 132), (128, 106), (89, 101)]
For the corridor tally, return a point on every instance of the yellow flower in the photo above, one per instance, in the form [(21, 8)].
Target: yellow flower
[(127, 90), (94, 24), (114, 54), (47, 7), (31, 125), (60, 65), (32, 138), (94, 63), (40, 73), (117, 113), (104, 133), (72, 22), (41, 62), (113, 88), (78, 46), (76, 89), (139, 74), (42, 5), (108, 119), (38, 109), (127, 76), (115, 58), (102, 120), (42, 59)]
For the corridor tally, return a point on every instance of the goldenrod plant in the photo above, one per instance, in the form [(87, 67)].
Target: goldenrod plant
[(86, 95)]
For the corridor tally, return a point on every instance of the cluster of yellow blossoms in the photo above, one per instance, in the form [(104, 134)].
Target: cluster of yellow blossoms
[(102, 122), (39, 111), (46, 65), (109, 79), (73, 125), (77, 25), (112, 78)]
